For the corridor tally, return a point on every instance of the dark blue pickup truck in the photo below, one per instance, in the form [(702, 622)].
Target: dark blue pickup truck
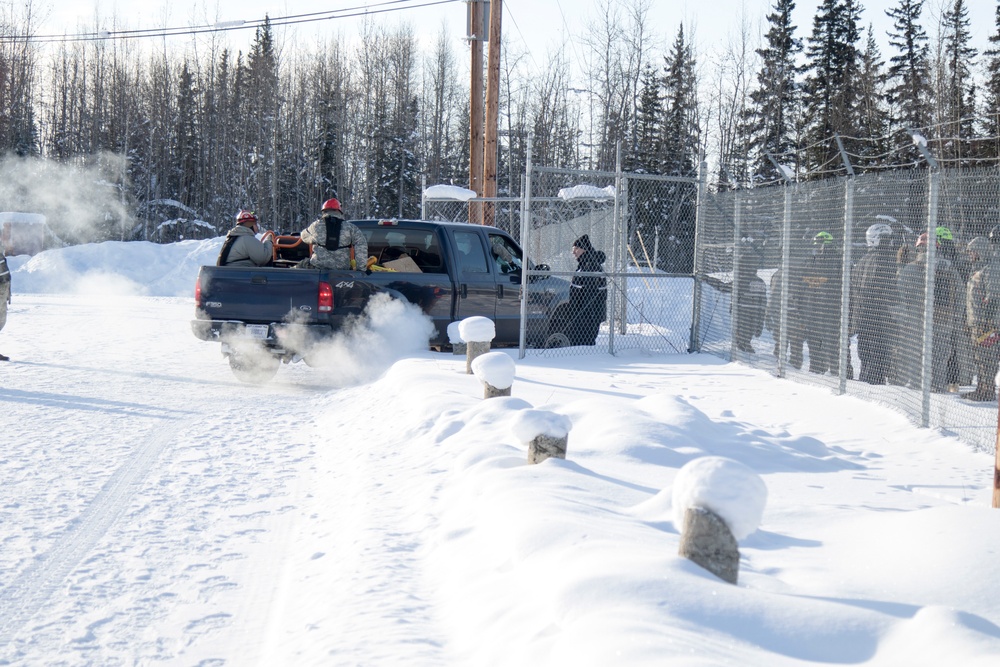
[(267, 315)]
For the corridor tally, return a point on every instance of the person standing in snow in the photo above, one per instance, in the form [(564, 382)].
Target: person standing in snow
[(873, 292), (4, 294), (911, 320), (983, 316), (588, 295), (816, 289), (336, 243), (242, 248), (749, 312)]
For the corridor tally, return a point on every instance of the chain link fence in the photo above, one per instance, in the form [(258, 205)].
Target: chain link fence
[(833, 289)]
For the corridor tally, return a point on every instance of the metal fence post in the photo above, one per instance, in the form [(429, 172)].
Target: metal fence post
[(786, 262), (927, 356), (694, 343), (734, 315), (423, 196), (618, 253), (525, 226), (844, 353)]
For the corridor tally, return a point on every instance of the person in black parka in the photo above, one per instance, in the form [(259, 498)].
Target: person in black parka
[(588, 295)]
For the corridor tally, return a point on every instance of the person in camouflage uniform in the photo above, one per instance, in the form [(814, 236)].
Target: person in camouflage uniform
[(347, 252), (983, 316)]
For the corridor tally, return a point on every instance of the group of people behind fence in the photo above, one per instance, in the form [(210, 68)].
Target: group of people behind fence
[(886, 309)]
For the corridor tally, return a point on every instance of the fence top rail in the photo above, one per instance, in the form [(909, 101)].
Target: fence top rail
[(612, 174)]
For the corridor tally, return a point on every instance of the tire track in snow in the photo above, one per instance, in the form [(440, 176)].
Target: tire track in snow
[(26, 595)]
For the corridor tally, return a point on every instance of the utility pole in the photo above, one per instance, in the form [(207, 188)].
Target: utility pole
[(492, 111), (476, 36)]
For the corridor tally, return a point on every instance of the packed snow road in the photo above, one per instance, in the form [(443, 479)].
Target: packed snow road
[(147, 497)]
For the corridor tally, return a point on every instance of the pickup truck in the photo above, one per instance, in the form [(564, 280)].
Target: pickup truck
[(264, 316)]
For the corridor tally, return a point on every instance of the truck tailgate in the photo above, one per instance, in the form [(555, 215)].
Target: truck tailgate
[(260, 295)]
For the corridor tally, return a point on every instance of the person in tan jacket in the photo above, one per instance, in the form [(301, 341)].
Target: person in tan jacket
[(242, 248)]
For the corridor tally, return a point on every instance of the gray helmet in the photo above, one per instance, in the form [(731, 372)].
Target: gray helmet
[(875, 234), (980, 246)]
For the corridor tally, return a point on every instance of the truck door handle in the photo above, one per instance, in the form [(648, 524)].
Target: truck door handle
[(464, 291), (499, 291)]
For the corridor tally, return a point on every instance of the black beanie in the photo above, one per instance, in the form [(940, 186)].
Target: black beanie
[(583, 243)]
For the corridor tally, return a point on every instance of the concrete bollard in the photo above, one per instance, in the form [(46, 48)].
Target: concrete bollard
[(455, 339), (477, 332), (707, 541), (496, 371), (545, 433), (473, 350), (716, 502), (544, 447)]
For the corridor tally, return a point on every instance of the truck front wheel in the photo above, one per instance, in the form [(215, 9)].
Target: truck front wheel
[(256, 368)]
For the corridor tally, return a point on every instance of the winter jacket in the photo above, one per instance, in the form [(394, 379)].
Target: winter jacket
[(246, 250), (911, 318), (338, 258), (873, 292), (588, 299)]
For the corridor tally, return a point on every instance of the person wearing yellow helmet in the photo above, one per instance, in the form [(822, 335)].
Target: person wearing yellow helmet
[(815, 286)]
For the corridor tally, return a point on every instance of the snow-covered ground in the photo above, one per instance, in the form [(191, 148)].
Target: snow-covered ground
[(154, 510)]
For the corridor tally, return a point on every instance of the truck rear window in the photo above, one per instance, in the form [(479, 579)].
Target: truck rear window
[(405, 250)]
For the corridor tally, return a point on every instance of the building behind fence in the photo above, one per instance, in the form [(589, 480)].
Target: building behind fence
[(672, 249)]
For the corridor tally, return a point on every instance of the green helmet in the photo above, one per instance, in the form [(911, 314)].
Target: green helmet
[(823, 238), (943, 234)]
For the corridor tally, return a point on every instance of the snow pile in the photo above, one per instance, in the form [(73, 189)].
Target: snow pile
[(495, 369), (449, 193), (115, 267), (729, 489), (477, 329), (587, 192)]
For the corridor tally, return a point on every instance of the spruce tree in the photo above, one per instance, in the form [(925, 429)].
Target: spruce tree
[(956, 96), (771, 121), (909, 73), (832, 85), (991, 123), (873, 114)]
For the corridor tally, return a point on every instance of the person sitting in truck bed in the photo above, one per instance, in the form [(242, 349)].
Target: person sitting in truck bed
[(241, 247), (336, 243)]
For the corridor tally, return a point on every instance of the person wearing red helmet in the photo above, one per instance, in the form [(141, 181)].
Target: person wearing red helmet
[(242, 248), (336, 243)]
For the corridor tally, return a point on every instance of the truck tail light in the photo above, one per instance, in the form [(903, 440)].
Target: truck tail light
[(325, 298), (197, 293)]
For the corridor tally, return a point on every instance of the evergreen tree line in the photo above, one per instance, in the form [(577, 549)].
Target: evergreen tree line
[(200, 131)]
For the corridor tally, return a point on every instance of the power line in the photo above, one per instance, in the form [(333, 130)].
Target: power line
[(225, 26)]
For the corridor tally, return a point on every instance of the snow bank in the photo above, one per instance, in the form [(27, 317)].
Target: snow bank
[(116, 267)]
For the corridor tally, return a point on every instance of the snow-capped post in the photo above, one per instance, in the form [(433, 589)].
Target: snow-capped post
[(716, 502), (545, 433), (457, 344), (477, 332), (496, 371)]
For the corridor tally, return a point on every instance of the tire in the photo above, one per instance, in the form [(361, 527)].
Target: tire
[(556, 339), (256, 368)]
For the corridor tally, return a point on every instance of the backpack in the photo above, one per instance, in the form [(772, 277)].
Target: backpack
[(989, 286), (333, 227)]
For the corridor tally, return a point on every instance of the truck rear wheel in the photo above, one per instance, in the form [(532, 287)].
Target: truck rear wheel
[(256, 368)]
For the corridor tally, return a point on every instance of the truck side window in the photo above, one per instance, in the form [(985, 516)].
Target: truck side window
[(470, 256), (505, 256)]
